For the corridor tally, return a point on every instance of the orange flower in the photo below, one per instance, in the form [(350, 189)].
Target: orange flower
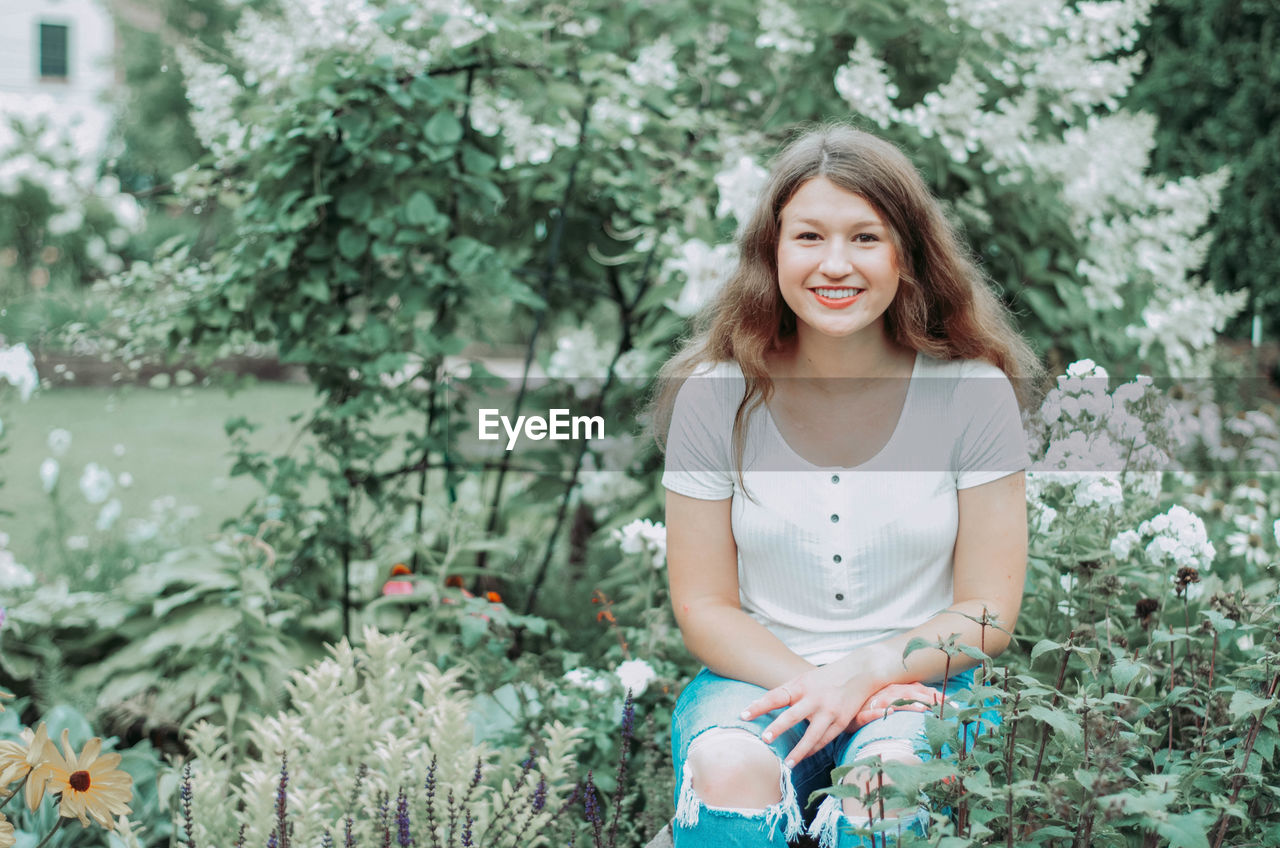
[(90, 785), (454, 581), (493, 597), (398, 587), (31, 758)]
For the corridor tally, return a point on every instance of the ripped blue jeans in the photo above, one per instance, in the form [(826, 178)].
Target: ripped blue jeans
[(711, 701)]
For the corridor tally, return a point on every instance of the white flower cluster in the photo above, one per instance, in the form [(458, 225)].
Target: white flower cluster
[(582, 359), (608, 481), (643, 536), (739, 183), (619, 118), (13, 575), (1141, 233), (1098, 446), (704, 268), (635, 675), (864, 84), (780, 29), (655, 65), (529, 142), (18, 369), (1248, 440), (1176, 538), (40, 148)]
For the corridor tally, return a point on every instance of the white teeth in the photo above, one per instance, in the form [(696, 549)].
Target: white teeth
[(836, 294)]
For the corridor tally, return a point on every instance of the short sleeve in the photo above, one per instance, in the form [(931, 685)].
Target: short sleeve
[(992, 442), (698, 457)]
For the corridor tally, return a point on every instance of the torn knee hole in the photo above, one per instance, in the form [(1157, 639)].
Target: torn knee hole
[(731, 767)]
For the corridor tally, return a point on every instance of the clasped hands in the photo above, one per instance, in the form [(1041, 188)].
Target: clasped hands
[(833, 702)]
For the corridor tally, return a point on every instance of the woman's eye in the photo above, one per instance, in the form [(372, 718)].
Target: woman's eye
[(808, 236), (866, 238)]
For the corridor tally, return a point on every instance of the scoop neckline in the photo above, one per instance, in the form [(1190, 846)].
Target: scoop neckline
[(897, 427)]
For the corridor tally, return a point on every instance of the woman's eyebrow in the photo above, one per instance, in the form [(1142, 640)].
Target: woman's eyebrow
[(812, 222)]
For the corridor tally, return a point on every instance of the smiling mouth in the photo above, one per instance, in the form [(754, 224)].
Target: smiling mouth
[(837, 298)]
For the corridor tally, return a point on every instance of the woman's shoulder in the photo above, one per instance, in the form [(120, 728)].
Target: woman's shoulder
[(958, 368), (722, 369)]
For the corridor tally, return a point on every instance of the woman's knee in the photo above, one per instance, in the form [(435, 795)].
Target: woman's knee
[(731, 767), (887, 751)]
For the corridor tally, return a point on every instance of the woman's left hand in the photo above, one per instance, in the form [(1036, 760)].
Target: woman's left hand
[(829, 697)]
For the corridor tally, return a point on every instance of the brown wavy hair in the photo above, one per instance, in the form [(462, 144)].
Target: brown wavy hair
[(944, 307)]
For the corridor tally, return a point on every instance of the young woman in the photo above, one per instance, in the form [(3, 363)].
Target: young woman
[(844, 466)]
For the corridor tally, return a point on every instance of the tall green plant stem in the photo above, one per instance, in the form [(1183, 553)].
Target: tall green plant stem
[(1044, 733), (437, 363), (626, 306), (1237, 782), (15, 791), (57, 827), (548, 276)]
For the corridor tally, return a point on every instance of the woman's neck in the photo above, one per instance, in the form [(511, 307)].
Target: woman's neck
[(809, 355)]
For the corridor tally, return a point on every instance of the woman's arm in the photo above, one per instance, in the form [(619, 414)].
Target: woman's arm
[(990, 568), (702, 567)]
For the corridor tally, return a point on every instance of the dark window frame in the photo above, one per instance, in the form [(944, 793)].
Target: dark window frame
[(53, 56)]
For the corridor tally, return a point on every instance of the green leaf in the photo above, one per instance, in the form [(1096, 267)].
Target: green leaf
[(420, 209), (443, 129), (352, 243), (915, 645), (1245, 703), (356, 205), (63, 716), (1044, 646), (315, 288), (477, 161), (1124, 671), (1059, 721), (1187, 830)]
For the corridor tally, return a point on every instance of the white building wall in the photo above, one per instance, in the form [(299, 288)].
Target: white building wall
[(77, 102)]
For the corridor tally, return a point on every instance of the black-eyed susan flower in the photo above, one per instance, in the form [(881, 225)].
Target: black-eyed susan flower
[(90, 786), (29, 758)]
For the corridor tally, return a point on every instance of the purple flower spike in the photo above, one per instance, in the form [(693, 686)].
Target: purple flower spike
[(403, 837)]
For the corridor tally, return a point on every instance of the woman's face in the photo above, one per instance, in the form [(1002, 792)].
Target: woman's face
[(837, 266)]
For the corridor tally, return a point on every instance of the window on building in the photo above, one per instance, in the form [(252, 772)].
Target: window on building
[(54, 57)]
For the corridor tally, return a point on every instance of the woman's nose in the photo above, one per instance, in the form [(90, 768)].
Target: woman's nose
[(835, 260)]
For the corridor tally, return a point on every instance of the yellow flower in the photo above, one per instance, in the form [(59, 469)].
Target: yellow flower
[(5, 696), (7, 839), (90, 785), (31, 758)]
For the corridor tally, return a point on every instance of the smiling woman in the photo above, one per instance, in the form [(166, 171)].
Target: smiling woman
[(845, 474)]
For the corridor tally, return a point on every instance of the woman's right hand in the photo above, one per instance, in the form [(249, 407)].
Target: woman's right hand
[(882, 702)]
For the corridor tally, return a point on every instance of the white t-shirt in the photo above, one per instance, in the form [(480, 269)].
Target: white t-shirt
[(833, 558)]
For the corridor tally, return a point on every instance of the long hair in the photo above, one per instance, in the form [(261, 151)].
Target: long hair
[(943, 307)]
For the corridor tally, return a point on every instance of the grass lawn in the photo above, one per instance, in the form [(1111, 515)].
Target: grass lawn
[(171, 441)]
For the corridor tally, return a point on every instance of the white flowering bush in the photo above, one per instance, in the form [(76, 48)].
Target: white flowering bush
[(1034, 101), (62, 223)]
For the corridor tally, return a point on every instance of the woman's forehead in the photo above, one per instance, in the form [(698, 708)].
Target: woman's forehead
[(820, 201)]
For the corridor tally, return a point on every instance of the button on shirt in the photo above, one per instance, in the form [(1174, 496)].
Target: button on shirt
[(830, 559)]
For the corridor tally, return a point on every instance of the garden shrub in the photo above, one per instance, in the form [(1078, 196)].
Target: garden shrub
[(377, 740)]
